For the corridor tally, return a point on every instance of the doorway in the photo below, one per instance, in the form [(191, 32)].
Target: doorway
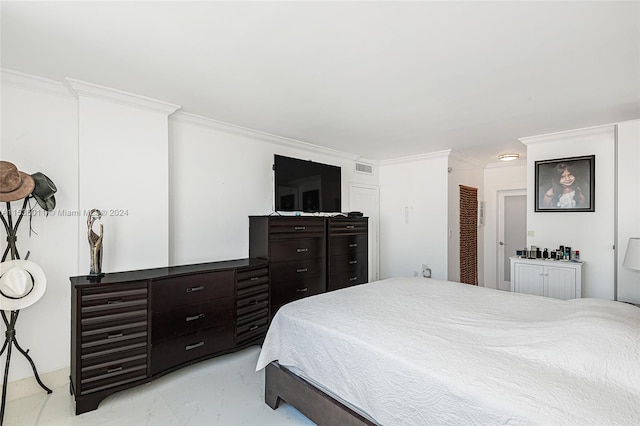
[(365, 199), (512, 232)]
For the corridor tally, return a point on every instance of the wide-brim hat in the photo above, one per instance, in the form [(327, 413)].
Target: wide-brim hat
[(22, 283), (14, 184), (43, 191)]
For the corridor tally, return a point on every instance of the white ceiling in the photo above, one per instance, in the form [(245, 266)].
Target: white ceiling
[(377, 79)]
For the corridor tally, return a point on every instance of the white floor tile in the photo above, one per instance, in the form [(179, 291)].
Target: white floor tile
[(222, 391)]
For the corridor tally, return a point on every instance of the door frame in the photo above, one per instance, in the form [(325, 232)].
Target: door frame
[(374, 228), (502, 194)]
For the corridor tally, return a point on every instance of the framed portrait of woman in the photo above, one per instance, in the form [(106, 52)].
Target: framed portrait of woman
[(565, 184)]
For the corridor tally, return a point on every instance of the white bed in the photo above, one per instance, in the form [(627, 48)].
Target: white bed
[(417, 351)]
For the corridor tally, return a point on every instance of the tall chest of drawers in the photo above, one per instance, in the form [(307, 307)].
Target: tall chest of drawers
[(129, 328), (296, 250), (347, 252)]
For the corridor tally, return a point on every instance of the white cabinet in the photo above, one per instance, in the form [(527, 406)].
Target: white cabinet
[(552, 278)]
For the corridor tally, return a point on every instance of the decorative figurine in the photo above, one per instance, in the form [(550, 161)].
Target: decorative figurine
[(95, 242)]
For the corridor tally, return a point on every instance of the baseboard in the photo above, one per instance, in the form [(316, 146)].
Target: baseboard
[(29, 386)]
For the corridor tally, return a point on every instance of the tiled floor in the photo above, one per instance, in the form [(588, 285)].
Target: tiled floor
[(221, 391)]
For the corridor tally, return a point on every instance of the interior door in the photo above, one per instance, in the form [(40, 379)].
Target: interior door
[(365, 199), (512, 232)]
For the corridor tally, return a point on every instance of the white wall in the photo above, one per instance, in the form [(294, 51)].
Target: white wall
[(40, 134), (413, 215), (498, 177), (222, 174), (590, 232), (462, 171), (628, 205), (123, 171)]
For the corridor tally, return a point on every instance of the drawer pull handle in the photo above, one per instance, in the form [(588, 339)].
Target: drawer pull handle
[(353, 278), (115, 370), (195, 317), (351, 226), (113, 302), (302, 270), (255, 327), (353, 245), (302, 290), (193, 289), (195, 345), (353, 262), (114, 335), (299, 228), (302, 250), (254, 278)]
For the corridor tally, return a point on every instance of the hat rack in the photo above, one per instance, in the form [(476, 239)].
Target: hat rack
[(16, 185)]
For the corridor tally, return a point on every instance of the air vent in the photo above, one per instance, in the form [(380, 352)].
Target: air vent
[(364, 168)]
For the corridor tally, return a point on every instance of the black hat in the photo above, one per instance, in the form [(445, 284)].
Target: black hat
[(43, 191)]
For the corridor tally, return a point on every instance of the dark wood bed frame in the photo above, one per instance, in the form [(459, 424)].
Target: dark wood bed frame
[(322, 409)]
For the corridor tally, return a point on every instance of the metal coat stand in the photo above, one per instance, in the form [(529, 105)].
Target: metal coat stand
[(10, 334)]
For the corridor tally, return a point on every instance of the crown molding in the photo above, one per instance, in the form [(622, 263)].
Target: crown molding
[(413, 158), (267, 137), (570, 134), (473, 161), (522, 162), (33, 83), (82, 88)]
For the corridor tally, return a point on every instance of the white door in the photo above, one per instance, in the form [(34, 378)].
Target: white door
[(512, 231), (365, 199)]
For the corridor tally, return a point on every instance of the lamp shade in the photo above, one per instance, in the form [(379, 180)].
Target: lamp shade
[(632, 257)]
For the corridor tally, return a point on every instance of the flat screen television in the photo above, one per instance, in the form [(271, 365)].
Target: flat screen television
[(306, 186)]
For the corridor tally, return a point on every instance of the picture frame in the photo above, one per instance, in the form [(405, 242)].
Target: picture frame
[(565, 184)]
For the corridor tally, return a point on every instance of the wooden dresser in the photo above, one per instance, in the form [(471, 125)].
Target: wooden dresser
[(128, 328), (310, 255), (296, 250)]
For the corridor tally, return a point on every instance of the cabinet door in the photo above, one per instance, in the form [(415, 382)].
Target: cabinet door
[(528, 279), (560, 282)]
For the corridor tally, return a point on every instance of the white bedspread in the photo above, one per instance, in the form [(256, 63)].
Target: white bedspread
[(415, 351)]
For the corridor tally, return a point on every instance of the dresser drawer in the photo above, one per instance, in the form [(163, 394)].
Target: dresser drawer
[(288, 291), (108, 372), (248, 305), (347, 244), (347, 226), (167, 293), (249, 278), (113, 334), (298, 270), (189, 347), (185, 319), (296, 249), (252, 328), (348, 270), (119, 301), (296, 227)]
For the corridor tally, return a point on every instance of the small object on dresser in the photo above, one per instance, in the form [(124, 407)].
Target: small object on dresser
[(95, 243), (567, 253), (545, 254)]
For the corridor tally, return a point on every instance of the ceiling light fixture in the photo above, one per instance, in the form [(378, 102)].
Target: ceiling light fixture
[(508, 157)]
